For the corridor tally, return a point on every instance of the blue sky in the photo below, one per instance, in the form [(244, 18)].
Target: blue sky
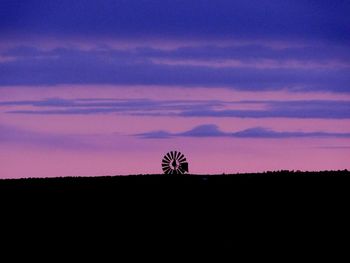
[(254, 85), (320, 20)]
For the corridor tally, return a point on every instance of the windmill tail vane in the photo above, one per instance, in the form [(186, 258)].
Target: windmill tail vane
[(174, 162)]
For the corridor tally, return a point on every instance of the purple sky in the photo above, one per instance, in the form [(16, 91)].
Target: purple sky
[(108, 87)]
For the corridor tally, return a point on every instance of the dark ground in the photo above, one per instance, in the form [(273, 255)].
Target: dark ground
[(255, 214), (264, 184)]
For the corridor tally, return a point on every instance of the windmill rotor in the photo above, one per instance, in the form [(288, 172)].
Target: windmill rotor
[(174, 162)]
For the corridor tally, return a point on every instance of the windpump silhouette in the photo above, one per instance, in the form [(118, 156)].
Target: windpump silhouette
[(174, 162)]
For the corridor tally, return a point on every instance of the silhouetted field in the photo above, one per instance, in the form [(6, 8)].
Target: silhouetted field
[(165, 212), (259, 182)]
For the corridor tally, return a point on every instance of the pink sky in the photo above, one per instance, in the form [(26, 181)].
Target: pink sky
[(103, 144)]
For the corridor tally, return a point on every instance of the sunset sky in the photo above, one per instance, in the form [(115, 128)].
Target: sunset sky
[(102, 87)]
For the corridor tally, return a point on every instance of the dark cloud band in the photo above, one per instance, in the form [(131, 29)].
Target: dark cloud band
[(30, 66)]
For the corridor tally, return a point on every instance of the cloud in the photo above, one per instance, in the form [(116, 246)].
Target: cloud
[(334, 147), (105, 106), (260, 132), (29, 66), (155, 135), (269, 19), (250, 52), (211, 130), (14, 135), (201, 52), (207, 130), (302, 109)]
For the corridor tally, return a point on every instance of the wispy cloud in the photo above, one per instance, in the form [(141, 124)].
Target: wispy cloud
[(144, 66), (211, 130), (337, 147), (284, 109), (105, 106), (317, 109), (23, 137)]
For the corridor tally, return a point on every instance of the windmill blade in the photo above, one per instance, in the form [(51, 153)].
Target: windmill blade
[(168, 155), (166, 158), (165, 166), (178, 155), (182, 160), (180, 170), (182, 157), (166, 170)]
